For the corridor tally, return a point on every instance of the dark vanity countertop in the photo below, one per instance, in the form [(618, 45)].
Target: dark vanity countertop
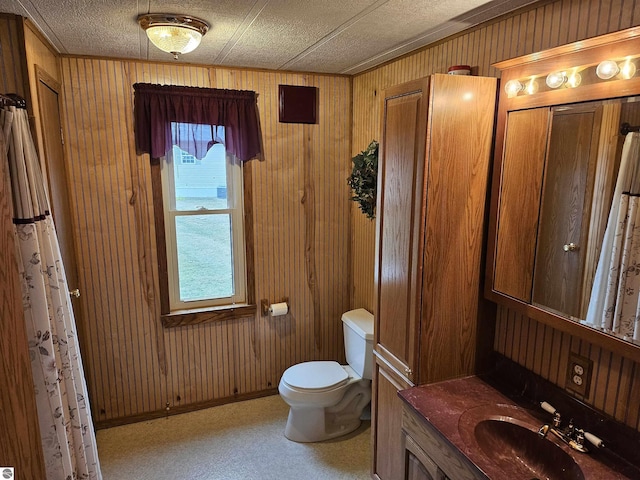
[(443, 405)]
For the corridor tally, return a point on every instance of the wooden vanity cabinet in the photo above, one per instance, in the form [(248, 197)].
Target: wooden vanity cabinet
[(432, 189), (427, 456)]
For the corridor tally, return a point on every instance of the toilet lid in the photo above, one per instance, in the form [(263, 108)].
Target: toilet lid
[(319, 375)]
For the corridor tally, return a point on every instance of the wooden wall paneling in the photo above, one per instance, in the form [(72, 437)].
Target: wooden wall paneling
[(543, 20), (144, 274), (14, 77), (554, 367), (109, 175), (611, 394), (600, 378), (40, 56), (210, 362), (622, 396), (545, 345), (531, 350), (632, 416), (106, 202), (614, 382), (539, 345), (74, 172), (137, 276)]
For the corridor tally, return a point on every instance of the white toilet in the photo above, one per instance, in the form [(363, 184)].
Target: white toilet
[(326, 399)]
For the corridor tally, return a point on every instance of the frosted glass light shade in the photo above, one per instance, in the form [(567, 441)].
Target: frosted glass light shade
[(175, 34), (172, 39)]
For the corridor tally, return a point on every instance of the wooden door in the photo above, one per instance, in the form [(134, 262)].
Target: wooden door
[(399, 233), (565, 211), (57, 180), (519, 204)]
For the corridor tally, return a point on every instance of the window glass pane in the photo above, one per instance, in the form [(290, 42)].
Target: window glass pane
[(200, 183), (205, 256)]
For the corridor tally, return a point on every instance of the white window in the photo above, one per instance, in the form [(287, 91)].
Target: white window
[(204, 227)]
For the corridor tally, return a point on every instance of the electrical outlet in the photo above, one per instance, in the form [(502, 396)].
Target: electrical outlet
[(579, 371)]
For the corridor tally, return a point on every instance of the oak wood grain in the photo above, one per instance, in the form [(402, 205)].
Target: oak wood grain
[(520, 191)]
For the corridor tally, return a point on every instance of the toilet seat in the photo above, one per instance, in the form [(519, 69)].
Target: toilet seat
[(316, 377)]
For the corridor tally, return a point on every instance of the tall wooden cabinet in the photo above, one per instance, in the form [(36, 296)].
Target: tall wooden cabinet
[(432, 190)]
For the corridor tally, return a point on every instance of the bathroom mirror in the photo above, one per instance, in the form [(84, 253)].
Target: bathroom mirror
[(558, 153)]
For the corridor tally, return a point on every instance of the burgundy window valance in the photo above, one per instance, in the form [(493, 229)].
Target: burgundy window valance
[(157, 106)]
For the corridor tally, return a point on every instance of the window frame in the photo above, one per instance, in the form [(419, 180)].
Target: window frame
[(234, 210), (207, 314)]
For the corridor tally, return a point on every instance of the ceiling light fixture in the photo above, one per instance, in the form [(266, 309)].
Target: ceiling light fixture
[(174, 34)]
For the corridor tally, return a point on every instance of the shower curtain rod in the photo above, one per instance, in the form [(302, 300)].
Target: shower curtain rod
[(626, 128)]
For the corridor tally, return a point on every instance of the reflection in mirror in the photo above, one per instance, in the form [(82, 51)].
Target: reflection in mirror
[(557, 157), (586, 194), (615, 302)]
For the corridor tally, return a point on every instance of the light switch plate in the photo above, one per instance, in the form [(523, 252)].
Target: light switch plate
[(579, 370)]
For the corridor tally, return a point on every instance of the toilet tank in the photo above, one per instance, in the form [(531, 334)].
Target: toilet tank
[(358, 340)]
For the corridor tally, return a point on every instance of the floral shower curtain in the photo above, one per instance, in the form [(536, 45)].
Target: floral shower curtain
[(68, 438), (615, 298)]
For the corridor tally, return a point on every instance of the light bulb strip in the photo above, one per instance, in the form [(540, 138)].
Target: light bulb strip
[(571, 77)]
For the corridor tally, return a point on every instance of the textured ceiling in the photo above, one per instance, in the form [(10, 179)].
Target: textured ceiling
[(330, 36)]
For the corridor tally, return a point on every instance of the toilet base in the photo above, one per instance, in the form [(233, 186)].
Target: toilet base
[(307, 426), (318, 424)]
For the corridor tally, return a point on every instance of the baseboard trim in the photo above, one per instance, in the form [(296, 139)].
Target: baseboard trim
[(177, 410)]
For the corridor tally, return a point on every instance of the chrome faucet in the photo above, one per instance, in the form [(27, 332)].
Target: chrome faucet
[(572, 436)]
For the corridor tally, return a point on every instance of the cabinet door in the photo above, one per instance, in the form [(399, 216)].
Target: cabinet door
[(386, 422), (435, 452), (522, 170), (459, 149), (418, 465), (399, 233)]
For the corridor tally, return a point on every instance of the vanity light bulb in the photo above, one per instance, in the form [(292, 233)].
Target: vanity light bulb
[(532, 87), (574, 80), (513, 87), (556, 79), (627, 69), (607, 69)]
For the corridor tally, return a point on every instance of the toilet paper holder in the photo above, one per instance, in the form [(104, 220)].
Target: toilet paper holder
[(265, 305)]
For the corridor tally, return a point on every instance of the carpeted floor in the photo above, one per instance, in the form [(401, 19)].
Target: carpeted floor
[(238, 441)]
